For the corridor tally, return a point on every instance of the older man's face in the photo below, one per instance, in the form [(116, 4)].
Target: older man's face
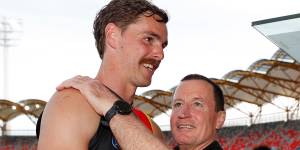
[(194, 119)]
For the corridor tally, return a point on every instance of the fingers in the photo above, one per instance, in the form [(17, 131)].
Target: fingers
[(75, 82), (96, 93)]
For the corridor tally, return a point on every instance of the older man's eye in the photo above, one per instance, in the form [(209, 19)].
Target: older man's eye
[(198, 104), (176, 105)]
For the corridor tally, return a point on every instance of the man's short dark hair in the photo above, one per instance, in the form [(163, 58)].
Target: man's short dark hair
[(123, 13), (219, 97)]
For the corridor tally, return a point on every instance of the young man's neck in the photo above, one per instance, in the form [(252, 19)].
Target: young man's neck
[(118, 85)]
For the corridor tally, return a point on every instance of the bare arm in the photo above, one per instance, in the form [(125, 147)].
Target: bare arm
[(128, 130), (132, 134), (68, 122)]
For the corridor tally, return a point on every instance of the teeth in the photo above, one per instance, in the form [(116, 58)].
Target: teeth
[(185, 126), (149, 66)]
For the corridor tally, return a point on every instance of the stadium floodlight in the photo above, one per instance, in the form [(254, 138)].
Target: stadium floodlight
[(37, 106), (10, 30), (283, 31), (27, 108)]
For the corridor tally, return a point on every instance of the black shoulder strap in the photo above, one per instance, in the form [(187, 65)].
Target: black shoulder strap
[(103, 139), (38, 126)]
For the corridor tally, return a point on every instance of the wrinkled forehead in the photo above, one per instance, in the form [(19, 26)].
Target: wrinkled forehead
[(194, 88)]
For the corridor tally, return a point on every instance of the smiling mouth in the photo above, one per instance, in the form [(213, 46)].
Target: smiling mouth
[(149, 67), (185, 126), (151, 64)]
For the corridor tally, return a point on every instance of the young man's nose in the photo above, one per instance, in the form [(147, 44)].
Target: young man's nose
[(158, 53)]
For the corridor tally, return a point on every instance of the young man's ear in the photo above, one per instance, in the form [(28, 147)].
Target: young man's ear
[(112, 33), (220, 119)]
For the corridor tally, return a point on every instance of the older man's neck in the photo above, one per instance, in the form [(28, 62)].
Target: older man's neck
[(199, 146)]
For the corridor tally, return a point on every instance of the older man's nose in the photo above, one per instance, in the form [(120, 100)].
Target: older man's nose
[(185, 112)]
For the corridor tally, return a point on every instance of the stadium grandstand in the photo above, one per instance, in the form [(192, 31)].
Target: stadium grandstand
[(264, 82)]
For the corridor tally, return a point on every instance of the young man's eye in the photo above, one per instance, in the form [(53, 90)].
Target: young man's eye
[(149, 39)]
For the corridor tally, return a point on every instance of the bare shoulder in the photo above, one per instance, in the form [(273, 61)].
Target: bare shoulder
[(157, 131), (70, 102), (68, 120)]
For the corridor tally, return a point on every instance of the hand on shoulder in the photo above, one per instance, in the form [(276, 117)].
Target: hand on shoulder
[(97, 94)]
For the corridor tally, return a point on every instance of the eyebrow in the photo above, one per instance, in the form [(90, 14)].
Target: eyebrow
[(176, 100), (164, 44), (198, 98)]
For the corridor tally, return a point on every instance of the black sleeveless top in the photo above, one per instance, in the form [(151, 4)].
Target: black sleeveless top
[(212, 146), (103, 138)]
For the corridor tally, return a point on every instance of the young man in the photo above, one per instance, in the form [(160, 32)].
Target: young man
[(197, 112), (130, 37)]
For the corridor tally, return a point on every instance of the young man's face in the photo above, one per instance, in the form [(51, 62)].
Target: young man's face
[(194, 119), (141, 49)]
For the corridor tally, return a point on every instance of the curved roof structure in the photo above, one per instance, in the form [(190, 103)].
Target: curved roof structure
[(280, 78), (154, 102), (9, 110), (263, 81), (33, 107)]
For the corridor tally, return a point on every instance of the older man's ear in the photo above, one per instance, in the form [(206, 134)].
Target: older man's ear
[(220, 119)]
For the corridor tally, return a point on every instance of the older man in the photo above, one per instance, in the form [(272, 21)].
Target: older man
[(197, 111)]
